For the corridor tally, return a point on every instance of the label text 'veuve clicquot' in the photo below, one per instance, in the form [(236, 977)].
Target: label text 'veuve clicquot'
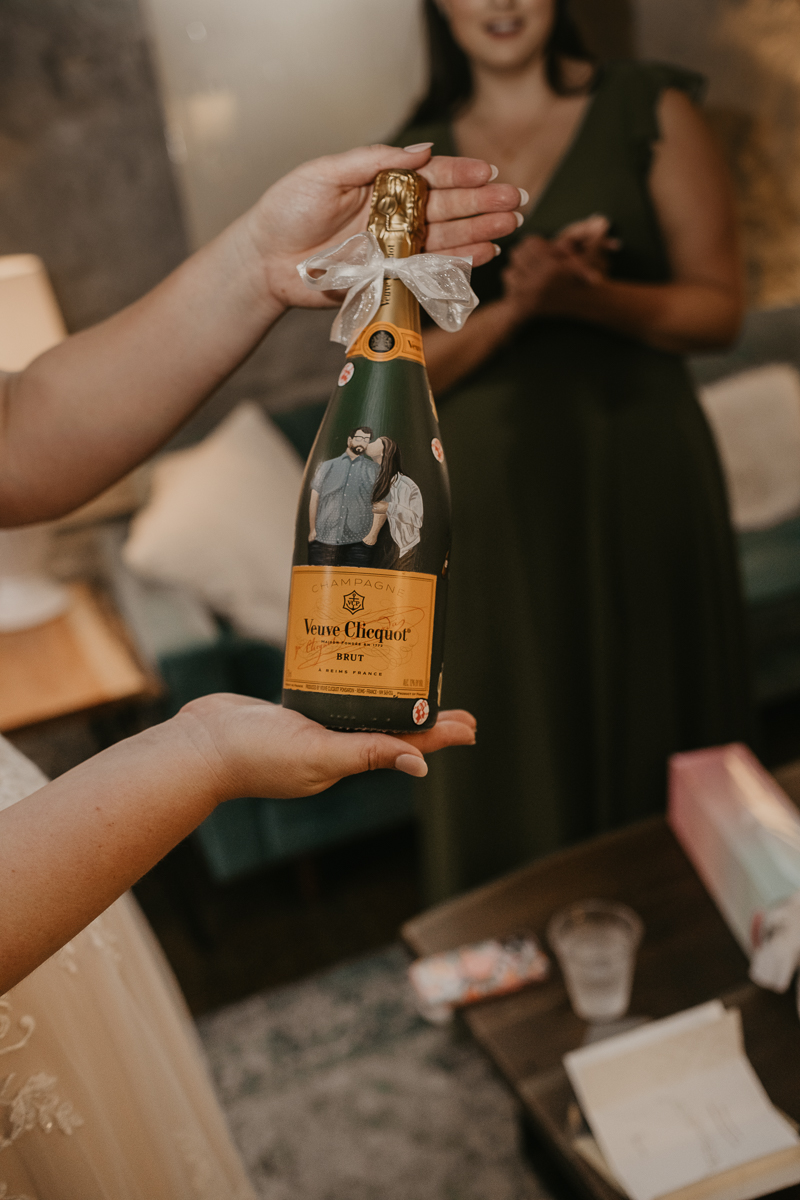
[(367, 632), (355, 629)]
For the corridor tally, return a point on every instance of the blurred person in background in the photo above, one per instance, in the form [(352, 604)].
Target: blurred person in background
[(595, 622)]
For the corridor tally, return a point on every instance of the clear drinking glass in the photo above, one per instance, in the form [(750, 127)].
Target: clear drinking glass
[(595, 942)]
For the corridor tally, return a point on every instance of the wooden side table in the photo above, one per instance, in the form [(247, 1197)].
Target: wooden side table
[(78, 661), (687, 956)]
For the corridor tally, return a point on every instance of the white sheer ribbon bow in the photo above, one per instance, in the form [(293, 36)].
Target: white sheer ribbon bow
[(439, 281)]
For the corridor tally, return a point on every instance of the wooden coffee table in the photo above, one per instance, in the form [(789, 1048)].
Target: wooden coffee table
[(687, 956)]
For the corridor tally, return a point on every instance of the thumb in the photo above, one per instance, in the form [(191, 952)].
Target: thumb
[(595, 226), (353, 753)]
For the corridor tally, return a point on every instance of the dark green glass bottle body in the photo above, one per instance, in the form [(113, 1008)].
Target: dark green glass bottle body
[(366, 623)]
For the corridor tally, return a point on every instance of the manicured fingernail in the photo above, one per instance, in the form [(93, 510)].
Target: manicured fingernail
[(520, 218), (420, 146), (494, 174), (523, 196), (497, 249), (411, 765)]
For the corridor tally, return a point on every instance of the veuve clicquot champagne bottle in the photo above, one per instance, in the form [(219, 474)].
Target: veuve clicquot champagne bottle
[(367, 607)]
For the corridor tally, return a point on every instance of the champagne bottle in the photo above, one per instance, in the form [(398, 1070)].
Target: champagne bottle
[(367, 607)]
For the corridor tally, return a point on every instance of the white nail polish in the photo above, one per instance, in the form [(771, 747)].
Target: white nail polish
[(523, 196), (520, 218), (494, 174), (497, 249), (411, 765), (418, 147)]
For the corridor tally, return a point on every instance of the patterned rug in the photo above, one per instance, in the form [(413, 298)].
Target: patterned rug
[(336, 1089)]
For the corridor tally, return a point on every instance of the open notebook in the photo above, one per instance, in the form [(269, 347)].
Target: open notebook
[(677, 1110)]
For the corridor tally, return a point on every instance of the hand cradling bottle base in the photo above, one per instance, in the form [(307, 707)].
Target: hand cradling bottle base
[(367, 607)]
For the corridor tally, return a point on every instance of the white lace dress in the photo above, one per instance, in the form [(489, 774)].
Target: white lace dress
[(103, 1091)]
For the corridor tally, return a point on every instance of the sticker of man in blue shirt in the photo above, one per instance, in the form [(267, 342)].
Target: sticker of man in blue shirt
[(343, 527)]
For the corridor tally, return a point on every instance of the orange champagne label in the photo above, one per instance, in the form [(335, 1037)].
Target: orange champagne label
[(385, 341), (366, 632)]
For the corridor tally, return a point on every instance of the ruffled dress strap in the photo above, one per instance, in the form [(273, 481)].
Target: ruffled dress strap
[(634, 89)]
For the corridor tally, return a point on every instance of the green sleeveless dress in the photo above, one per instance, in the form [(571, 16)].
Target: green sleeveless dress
[(595, 621)]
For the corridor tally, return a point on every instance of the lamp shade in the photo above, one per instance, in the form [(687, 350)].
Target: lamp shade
[(30, 319), (30, 323)]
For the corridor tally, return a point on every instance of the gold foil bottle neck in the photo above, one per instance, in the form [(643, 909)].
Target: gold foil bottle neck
[(397, 215)]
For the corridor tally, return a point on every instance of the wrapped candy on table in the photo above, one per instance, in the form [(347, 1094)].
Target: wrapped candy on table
[(446, 981)]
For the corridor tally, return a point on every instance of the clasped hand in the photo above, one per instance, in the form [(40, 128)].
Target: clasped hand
[(542, 274)]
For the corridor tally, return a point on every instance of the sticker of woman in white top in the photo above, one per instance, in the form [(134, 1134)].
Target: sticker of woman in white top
[(397, 503)]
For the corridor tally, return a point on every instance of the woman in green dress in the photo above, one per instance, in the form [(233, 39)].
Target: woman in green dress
[(595, 623)]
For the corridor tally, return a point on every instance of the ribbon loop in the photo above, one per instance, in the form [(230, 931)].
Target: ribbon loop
[(440, 282)]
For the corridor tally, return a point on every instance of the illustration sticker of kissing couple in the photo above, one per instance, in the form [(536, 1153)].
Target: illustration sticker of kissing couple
[(363, 511)]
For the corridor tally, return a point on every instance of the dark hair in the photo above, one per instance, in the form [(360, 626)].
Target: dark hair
[(391, 465), (451, 77), (359, 429)]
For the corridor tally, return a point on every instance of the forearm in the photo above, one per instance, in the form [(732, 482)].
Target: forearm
[(70, 849), (73, 847), (93, 407), (378, 522), (677, 317), (453, 356)]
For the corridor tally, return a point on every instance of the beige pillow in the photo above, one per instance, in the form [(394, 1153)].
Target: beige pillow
[(221, 520), (755, 417)]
